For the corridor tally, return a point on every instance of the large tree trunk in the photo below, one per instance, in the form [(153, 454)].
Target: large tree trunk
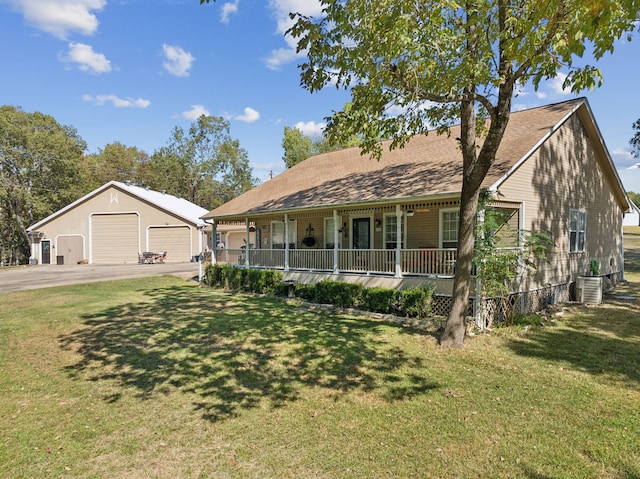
[(455, 329), (476, 166)]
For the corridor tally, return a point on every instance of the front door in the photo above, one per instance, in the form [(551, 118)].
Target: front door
[(46, 251), (361, 238)]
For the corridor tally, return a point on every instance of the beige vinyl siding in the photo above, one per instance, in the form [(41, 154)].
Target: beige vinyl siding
[(423, 229), (174, 240), (548, 185), (115, 238), (71, 247)]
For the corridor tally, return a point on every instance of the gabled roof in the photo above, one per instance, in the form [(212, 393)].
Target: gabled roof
[(179, 207), (429, 166)]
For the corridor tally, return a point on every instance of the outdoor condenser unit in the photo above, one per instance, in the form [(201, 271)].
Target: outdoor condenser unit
[(589, 289)]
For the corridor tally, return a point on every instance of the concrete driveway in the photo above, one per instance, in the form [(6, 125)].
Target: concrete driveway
[(44, 276)]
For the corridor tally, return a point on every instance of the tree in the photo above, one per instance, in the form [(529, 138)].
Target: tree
[(298, 147), (502, 254), (116, 162), (39, 174), (203, 164), (635, 141), (441, 62), (635, 197)]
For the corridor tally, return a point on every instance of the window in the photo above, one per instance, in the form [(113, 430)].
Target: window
[(391, 231), (449, 228), (577, 230), (329, 231), (277, 234)]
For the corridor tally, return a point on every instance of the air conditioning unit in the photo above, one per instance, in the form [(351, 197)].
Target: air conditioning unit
[(589, 289)]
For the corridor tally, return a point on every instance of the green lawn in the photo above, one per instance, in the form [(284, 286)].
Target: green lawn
[(157, 378)]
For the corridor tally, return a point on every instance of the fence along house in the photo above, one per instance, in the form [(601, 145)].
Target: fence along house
[(394, 222)]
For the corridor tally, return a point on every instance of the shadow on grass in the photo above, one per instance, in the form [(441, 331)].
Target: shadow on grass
[(601, 340), (236, 352)]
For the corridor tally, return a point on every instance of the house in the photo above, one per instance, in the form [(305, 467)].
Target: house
[(394, 222), (115, 224), (632, 218)]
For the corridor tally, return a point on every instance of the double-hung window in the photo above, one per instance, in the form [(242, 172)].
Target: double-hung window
[(577, 230), (278, 233), (449, 227), (391, 231)]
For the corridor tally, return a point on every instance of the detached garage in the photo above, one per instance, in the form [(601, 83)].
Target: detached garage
[(115, 224)]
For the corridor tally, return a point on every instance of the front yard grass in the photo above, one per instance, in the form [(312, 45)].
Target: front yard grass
[(158, 378)]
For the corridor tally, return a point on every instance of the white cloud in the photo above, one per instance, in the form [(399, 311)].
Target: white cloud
[(228, 9), (117, 101), (86, 59), (311, 128), (556, 84), (61, 17), (249, 116), (178, 62), (280, 10), (196, 112), (623, 158)]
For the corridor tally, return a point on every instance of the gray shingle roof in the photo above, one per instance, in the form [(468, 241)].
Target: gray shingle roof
[(429, 165)]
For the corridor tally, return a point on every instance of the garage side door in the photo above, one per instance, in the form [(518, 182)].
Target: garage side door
[(114, 238), (175, 240)]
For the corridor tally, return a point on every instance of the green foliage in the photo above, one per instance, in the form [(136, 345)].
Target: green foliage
[(345, 295), (203, 164), (39, 174), (635, 146), (635, 197), (241, 279), (298, 147), (415, 302), (116, 162), (379, 299)]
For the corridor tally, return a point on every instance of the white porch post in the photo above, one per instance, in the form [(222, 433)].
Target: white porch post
[(521, 245), (200, 231), (246, 242), (336, 238), (286, 242), (477, 301), (398, 241), (214, 242)]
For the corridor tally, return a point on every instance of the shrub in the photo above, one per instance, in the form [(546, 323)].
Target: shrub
[(232, 278), (378, 299), (415, 302), (344, 295)]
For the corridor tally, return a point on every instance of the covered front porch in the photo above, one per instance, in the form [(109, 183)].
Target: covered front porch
[(437, 262), (395, 240)]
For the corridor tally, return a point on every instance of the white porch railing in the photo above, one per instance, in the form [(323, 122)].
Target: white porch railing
[(440, 262)]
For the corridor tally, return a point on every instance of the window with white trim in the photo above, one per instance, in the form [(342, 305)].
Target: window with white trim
[(577, 230), (277, 234), (449, 228), (391, 231), (329, 232)]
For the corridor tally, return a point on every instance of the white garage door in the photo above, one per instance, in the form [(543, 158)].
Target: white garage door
[(175, 240), (115, 238)]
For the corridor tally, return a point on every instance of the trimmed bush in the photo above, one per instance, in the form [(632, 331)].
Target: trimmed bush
[(236, 279), (379, 300), (344, 295), (415, 302)]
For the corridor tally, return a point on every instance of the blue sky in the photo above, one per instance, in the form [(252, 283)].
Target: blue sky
[(132, 70)]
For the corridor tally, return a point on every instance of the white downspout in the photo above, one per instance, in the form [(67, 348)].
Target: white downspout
[(477, 298), (398, 241), (336, 238), (247, 243), (286, 242)]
